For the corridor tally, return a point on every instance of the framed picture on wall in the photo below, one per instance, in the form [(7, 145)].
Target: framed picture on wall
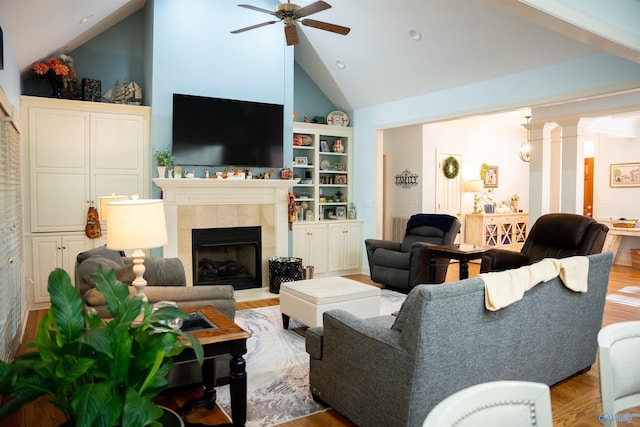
[(624, 175), (491, 177)]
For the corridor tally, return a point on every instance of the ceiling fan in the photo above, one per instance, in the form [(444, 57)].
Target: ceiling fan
[(291, 13)]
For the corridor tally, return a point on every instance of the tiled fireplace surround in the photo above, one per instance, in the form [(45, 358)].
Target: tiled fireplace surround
[(214, 203)]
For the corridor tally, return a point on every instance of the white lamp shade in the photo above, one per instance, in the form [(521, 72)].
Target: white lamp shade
[(136, 224), (104, 205), (473, 186)]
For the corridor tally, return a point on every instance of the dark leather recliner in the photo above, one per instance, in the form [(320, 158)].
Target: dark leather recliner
[(555, 235), (405, 265)]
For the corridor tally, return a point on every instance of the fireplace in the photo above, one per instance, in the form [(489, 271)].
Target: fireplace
[(232, 255)]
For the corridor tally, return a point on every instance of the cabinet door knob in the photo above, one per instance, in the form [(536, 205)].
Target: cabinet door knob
[(10, 259)]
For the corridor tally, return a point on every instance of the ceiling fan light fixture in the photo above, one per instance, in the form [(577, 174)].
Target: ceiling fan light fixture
[(415, 35), (340, 64)]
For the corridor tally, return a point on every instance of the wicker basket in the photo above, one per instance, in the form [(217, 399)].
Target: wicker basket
[(624, 224)]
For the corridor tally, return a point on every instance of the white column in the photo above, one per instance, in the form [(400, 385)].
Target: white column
[(572, 185), (539, 170)]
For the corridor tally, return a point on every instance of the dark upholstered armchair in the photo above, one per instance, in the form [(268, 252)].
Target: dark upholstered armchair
[(555, 235), (405, 265)]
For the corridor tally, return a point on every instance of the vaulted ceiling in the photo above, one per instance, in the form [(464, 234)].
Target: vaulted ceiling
[(396, 48)]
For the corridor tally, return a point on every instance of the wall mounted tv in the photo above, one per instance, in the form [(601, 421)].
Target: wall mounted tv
[(226, 132)]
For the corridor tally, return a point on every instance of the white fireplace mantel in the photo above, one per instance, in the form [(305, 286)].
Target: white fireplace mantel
[(209, 192)]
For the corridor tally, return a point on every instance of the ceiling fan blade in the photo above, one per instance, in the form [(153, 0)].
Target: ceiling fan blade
[(291, 34), (339, 29), (314, 7), (259, 9), (241, 30)]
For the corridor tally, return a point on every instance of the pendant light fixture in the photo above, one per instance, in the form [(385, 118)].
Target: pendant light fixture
[(525, 147)]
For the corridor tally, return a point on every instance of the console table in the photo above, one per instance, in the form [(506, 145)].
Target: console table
[(615, 236), (505, 231)]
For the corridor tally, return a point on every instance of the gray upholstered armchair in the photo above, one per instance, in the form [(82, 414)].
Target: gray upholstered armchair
[(405, 265)]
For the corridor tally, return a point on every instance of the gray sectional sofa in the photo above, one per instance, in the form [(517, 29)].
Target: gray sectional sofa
[(393, 370), (165, 277)]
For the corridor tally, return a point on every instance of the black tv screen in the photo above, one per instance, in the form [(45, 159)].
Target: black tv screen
[(226, 132)]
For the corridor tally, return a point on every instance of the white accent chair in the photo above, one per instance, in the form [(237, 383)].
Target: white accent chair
[(497, 403), (619, 353)]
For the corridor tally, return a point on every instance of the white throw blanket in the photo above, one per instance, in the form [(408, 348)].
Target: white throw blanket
[(506, 287)]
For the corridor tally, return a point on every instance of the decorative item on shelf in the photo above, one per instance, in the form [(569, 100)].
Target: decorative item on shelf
[(338, 118), (177, 172), (339, 166), (341, 179), (307, 119), (338, 147), (352, 211), (514, 202), (489, 203), (341, 212), (324, 146), (301, 161), (476, 187), (124, 93), (320, 120), (451, 167), (624, 223), (163, 158), (60, 74), (525, 147), (91, 90), (286, 173)]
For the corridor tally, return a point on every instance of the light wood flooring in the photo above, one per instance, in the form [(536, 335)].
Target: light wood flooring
[(575, 402)]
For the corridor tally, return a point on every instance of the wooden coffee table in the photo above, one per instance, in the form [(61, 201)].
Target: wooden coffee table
[(224, 338), (462, 252)]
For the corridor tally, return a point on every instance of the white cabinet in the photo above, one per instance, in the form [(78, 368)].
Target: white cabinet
[(345, 246), (331, 247), (49, 252), (309, 241), (75, 152)]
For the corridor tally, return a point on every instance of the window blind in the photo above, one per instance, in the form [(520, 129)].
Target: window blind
[(11, 251)]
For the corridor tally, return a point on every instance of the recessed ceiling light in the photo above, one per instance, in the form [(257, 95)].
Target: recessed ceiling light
[(415, 34), (86, 18), (340, 64)]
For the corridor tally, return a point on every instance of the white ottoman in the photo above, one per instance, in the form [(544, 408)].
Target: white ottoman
[(306, 300)]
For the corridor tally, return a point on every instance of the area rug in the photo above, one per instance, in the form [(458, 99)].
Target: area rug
[(278, 366)]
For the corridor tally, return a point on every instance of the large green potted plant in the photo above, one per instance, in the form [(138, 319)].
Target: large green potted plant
[(97, 371)]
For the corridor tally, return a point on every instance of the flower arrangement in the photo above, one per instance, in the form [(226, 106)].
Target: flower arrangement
[(59, 72)]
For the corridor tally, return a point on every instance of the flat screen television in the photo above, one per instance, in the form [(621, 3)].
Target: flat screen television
[(226, 132)]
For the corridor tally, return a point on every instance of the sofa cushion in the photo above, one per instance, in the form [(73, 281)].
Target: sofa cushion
[(90, 266), (102, 252), (158, 272)]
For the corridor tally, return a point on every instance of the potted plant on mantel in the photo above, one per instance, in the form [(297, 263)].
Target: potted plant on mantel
[(97, 371), (163, 159)]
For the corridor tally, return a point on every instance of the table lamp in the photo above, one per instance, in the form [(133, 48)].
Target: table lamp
[(474, 186), (137, 224)]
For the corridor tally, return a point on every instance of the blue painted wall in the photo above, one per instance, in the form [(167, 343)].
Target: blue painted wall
[(10, 74), (308, 98)]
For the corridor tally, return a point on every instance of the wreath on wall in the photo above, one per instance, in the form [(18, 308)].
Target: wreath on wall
[(451, 167)]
